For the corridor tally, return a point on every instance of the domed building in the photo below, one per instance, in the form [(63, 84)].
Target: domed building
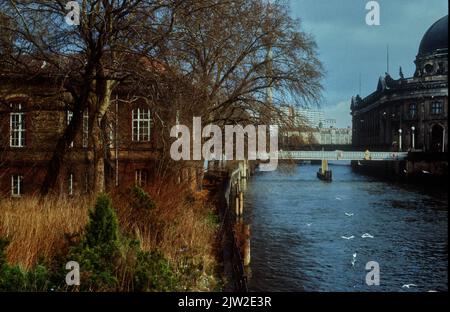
[(409, 113)]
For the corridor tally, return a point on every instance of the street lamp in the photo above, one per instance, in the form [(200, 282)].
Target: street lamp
[(413, 138), (400, 139)]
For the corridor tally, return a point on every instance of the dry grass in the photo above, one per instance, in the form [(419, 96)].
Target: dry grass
[(181, 227), (40, 229), (183, 230)]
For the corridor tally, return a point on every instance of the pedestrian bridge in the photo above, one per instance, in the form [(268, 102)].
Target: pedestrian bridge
[(342, 155)]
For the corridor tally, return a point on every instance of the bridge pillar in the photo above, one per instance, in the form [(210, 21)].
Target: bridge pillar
[(324, 165), (246, 245), (241, 203), (324, 173), (237, 206)]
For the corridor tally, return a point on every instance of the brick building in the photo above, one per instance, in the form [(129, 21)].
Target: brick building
[(33, 116)]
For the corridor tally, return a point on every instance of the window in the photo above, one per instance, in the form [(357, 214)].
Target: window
[(141, 125), (85, 129), (69, 119), (70, 184), (436, 108), (16, 185), (141, 177), (429, 68), (17, 127), (413, 110)]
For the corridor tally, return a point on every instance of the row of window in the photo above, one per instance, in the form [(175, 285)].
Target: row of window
[(141, 124), (17, 190), (437, 108)]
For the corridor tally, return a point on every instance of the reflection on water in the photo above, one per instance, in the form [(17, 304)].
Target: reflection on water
[(298, 223)]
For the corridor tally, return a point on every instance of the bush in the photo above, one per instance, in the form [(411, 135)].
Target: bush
[(153, 273), (110, 262), (14, 278), (98, 251), (141, 200), (103, 226)]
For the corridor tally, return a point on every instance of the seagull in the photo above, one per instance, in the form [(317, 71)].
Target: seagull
[(348, 237), (349, 214), (338, 198), (367, 235), (409, 285), (308, 224), (354, 259)]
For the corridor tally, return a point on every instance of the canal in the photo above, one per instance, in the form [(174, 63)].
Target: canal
[(306, 233)]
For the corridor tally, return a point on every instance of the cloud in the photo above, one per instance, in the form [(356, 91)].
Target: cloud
[(348, 47)]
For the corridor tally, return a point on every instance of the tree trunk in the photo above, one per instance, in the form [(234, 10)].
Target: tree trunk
[(59, 152), (55, 163), (98, 161), (99, 142)]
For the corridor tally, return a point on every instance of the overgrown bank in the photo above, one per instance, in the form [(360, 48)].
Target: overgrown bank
[(134, 240)]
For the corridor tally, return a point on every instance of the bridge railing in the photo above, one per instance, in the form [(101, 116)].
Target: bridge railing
[(341, 155)]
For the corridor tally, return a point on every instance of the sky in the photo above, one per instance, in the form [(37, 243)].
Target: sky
[(348, 47)]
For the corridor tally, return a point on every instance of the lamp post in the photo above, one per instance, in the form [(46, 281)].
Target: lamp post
[(413, 138), (400, 139), (443, 140)]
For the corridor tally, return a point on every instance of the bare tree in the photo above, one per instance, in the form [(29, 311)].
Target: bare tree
[(245, 55), (88, 60), (232, 60)]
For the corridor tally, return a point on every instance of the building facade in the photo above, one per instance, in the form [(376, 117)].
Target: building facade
[(33, 119), (335, 136), (314, 129), (408, 113), (315, 118)]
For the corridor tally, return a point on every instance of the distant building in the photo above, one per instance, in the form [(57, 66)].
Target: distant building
[(318, 130), (409, 113), (315, 118), (334, 136), (329, 123)]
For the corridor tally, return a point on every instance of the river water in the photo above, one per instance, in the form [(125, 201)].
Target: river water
[(298, 223)]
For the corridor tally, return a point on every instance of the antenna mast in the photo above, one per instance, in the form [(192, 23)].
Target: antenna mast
[(387, 58)]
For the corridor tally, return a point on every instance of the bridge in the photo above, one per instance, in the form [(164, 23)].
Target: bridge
[(342, 155)]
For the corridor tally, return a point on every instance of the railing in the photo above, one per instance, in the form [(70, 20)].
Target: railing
[(342, 155), (239, 275)]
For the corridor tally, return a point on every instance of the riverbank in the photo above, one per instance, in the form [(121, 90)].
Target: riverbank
[(228, 185), (180, 231), (419, 168)]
